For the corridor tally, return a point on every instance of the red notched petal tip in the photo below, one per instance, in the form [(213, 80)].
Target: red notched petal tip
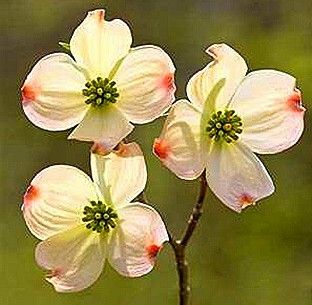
[(167, 82), (161, 148), (98, 15), (101, 15), (30, 195), (294, 102), (246, 200), (28, 94), (152, 251), (122, 150), (57, 272), (99, 149)]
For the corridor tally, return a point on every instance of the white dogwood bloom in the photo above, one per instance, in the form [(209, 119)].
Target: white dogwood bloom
[(231, 115), (82, 223), (106, 86)]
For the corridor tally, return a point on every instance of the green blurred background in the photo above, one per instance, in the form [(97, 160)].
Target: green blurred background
[(261, 257)]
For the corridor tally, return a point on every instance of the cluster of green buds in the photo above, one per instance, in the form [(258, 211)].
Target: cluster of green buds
[(224, 125), (99, 217), (100, 91)]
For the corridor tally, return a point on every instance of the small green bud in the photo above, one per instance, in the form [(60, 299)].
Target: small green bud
[(107, 95), (99, 91), (99, 101), (227, 127), (219, 125)]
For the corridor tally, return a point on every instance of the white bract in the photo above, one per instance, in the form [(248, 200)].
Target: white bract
[(231, 115), (108, 85), (82, 223)]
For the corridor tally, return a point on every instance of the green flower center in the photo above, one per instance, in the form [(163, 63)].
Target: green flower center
[(99, 217), (224, 125), (100, 92)]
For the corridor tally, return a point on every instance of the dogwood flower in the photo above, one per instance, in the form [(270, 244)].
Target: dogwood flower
[(108, 85), (229, 117), (82, 223)]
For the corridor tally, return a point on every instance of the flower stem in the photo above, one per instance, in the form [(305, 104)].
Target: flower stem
[(179, 246), (196, 213)]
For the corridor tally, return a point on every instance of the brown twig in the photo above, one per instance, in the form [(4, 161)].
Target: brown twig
[(179, 246), (196, 213)]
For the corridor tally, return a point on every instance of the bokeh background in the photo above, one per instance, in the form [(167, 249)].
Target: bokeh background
[(261, 257)]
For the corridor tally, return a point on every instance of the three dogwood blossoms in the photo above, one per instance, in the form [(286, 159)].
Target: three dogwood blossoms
[(103, 87)]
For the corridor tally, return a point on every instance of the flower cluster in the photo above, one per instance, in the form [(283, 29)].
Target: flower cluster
[(229, 116), (82, 222), (103, 87)]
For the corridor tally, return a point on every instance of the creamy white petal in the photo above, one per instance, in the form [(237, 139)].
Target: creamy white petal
[(237, 176), (75, 258), (179, 146), (137, 240), (227, 64), (271, 110), (52, 93), (98, 44), (121, 175), (104, 124), (55, 199), (145, 82)]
